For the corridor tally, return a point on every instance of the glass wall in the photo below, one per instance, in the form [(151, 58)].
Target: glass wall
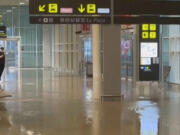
[(11, 53), (127, 43), (67, 49), (16, 19), (171, 52), (88, 50), (49, 46)]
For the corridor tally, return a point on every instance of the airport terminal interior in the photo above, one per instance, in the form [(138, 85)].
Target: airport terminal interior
[(88, 79)]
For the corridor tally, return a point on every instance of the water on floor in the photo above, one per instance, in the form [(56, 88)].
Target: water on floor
[(45, 103)]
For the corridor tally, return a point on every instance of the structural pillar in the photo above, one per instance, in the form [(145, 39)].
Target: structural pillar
[(47, 44), (136, 57), (112, 61), (57, 43), (96, 47)]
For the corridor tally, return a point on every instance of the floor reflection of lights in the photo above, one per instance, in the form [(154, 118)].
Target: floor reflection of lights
[(149, 116)]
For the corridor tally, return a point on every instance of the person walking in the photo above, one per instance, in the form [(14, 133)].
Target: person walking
[(2, 61), (2, 66)]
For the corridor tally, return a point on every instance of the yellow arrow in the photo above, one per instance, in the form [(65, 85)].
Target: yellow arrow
[(42, 8), (81, 9)]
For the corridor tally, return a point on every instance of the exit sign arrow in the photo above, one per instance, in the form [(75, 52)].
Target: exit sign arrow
[(81, 9), (42, 8)]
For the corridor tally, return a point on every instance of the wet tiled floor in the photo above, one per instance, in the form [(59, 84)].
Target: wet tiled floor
[(45, 103)]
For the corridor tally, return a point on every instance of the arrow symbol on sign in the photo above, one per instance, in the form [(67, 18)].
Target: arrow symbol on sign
[(42, 8), (81, 9)]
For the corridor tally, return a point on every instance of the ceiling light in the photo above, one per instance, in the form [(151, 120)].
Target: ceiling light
[(8, 11), (21, 3), (14, 7)]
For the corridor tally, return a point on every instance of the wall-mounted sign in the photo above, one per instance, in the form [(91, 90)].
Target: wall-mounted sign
[(149, 32), (3, 32), (149, 48), (70, 9), (85, 28)]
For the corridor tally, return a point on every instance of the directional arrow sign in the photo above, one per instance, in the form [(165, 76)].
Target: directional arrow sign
[(42, 8), (81, 9)]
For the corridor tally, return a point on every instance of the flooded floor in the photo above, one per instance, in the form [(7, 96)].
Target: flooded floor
[(44, 103)]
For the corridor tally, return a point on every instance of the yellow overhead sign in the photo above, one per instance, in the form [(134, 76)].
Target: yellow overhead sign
[(145, 27), (42, 8), (81, 9), (152, 27), (91, 8), (53, 8), (149, 31), (145, 35), (152, 35)]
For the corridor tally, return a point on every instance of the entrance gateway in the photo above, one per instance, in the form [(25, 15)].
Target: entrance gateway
[(13, 51), (148, 13)]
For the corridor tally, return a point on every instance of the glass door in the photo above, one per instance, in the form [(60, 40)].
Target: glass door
[(11, 50)]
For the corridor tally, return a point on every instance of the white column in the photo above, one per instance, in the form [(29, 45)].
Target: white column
[(53, 54), (19, 53), (57, 43), (96, 47), (69, 48), (47, 46)]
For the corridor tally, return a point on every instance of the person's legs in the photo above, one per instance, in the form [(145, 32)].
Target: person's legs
[(1, 70), (3, 93)]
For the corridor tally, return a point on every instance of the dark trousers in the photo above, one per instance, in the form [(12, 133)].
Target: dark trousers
[(1, 69)]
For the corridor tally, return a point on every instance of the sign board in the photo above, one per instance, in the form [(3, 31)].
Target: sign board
[(139, 19), (99, 11), (148, 7), (69, 20), (146, 11), (85, 28), (149, 52), (70, 11), (3, 32)]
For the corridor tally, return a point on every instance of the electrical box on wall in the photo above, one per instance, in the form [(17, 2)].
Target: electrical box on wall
[(149, 52)]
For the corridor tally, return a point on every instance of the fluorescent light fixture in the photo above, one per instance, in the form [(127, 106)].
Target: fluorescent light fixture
[(21, 3), (14, 7), (9, 10)]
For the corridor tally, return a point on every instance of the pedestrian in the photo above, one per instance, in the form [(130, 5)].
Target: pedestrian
[(2, 65), (2, 61)]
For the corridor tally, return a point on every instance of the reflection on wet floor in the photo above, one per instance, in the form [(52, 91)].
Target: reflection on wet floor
[(45, 103), (149, 117)]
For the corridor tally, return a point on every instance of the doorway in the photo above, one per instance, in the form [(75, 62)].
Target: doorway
[(87, 56), (13, 59), (127, 43), (12, 51)]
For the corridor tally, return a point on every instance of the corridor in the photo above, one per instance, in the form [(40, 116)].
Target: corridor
[(44, 103)]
